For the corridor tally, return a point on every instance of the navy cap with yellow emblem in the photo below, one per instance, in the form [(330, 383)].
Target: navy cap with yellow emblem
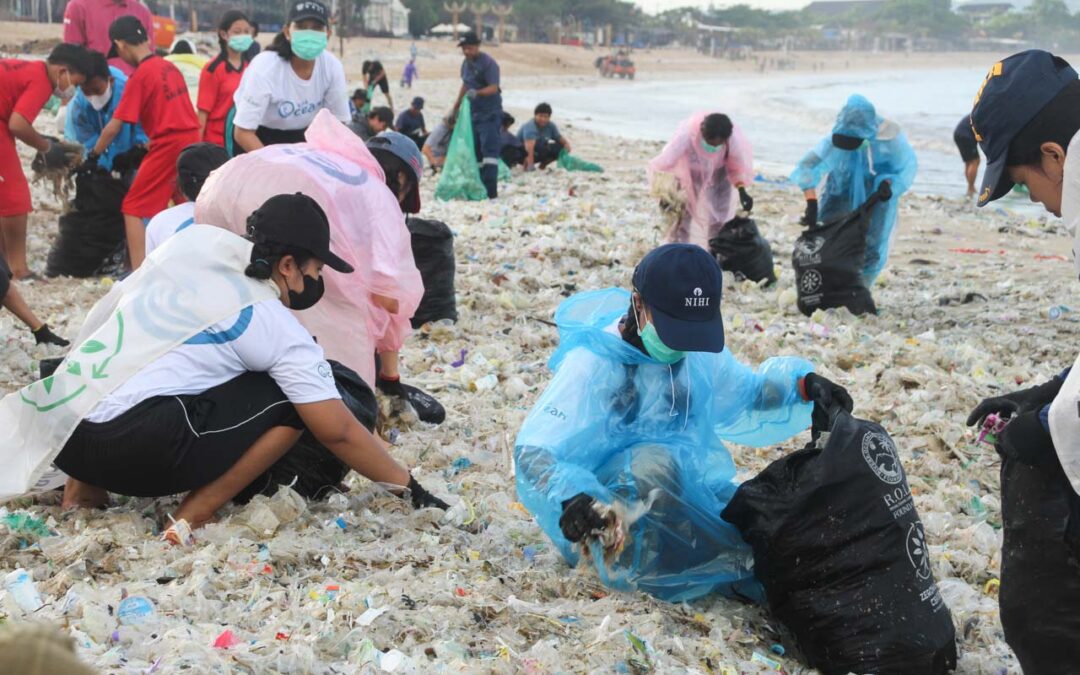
[(1013, 93)]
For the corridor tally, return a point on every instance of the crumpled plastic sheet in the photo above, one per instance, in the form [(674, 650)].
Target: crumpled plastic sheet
[(493, 594)]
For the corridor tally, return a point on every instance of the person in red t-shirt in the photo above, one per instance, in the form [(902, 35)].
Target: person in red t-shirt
[(86, 23), (221, 77), (156, 96), (25, 87)]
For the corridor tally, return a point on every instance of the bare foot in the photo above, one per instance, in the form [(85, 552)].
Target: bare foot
[(79, 495)]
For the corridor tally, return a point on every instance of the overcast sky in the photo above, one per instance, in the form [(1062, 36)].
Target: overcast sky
[(655, 6)]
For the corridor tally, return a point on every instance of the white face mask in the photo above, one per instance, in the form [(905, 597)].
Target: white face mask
[(67, 93), (99, 102)]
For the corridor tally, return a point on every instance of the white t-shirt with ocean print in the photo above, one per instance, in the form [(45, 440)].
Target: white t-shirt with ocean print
[(273, 96), (264, 337)]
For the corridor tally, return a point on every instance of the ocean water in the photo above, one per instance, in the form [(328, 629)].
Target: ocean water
[(786, 114)]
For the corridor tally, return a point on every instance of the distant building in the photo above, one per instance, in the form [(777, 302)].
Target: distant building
[(981, 12), (832, 9), (386, 17)]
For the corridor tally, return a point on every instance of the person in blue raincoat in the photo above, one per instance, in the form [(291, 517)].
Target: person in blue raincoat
[(92, 107), (863, 152), (634, 421)]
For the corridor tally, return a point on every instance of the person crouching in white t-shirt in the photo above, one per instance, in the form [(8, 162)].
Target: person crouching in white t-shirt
[(193, 167), (284, 87), (215, 412)]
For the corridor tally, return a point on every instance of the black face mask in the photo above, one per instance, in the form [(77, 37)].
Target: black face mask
[(313, 291), (845, 142)]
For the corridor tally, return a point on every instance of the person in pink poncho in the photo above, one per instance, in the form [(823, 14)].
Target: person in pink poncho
[(711, 160), (361, 313)]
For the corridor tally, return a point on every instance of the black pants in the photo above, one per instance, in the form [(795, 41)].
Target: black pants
[(513, 155), (5, 278), (546, 152), (171, 444)]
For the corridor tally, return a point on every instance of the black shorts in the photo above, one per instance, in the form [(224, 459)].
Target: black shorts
[(171, 444), (384, 84), (5, 278), (969, 148)]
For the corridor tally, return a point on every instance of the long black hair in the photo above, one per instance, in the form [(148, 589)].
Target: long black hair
[(281, 46)]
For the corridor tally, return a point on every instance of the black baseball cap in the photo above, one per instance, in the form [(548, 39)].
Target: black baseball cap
[(681, 285), (309, 9), (296, 220), (469, 38), (1013, 93), (127, 28), (418, 103)]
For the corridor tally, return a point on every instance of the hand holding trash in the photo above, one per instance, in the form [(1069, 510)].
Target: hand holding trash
[(745, 200), (884, 191), (825, 394), (422, 499), (1026, 440), (54, 157), (585, 520), (1018, 402), (470, 94), (809, 218)]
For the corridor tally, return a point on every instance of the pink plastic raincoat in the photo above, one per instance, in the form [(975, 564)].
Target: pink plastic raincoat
[(707, 179), (367, 229)]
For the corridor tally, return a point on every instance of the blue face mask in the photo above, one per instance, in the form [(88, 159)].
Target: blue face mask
[(308, 44), (240, 43)]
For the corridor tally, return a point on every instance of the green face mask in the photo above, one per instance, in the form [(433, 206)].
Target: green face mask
[(709, 148), (308, 44), (656, 347), (240, 43)]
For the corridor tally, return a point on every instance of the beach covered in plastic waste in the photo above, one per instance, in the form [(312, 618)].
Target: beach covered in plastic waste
[(971, 303)]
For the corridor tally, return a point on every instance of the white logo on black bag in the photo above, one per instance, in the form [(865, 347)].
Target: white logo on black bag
[(806, 250), (916, 551), (810, 282), (880, 455)]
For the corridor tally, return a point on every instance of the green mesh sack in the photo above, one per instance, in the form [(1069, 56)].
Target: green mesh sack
[(504, 172), (460, 177), (571, 163)]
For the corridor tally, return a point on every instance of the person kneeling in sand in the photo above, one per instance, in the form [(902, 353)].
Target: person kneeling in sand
[(708, 156), (438, 143), (541, 139), (215, 411), (622, 456)]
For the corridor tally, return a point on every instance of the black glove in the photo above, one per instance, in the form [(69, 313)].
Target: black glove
[(422, 499), (809, 218), (1025, 400), (130, 160), (884, 191), (45, 336), (579, 518), (746, 200), (825, 394), (1026, 440)]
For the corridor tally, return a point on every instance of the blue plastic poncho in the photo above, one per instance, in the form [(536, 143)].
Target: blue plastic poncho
[(616, 424), (852, 175), (84, 124)]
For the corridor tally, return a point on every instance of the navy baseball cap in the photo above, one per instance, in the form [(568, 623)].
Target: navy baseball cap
[(418, 103), (681, 285), (309, 9), (404, 148), (1013, 93)]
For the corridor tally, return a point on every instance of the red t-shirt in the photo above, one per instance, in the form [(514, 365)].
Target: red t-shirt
[(24, 88), (156, 96), (217, 84)]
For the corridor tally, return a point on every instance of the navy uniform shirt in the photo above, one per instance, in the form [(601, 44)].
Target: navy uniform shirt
[(482, 72)]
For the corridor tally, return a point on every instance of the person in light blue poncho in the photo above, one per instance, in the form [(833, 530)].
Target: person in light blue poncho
[(622, 458), (863, 152), (92, 108)]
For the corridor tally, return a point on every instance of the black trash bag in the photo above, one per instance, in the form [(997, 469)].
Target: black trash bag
[(1040, 570), (91, 239), (840, 551), (433, 251), (740, 248), (316, 470), (829, 259)]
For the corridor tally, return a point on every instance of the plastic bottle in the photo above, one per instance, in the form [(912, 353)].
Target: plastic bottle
[(20, 587), (1057, 311)]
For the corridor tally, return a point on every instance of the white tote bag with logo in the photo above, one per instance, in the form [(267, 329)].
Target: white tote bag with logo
[(1065, 426), (194, 280)]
